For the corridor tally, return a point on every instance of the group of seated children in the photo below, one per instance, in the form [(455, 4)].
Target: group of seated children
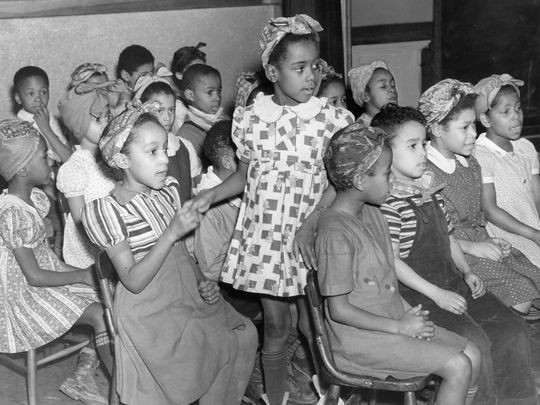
[(426, 251)]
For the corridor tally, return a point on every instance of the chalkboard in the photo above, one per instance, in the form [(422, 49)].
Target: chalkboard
[(482, 37)]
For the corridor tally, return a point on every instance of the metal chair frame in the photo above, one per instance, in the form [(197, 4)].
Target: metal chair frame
[(336, 378)]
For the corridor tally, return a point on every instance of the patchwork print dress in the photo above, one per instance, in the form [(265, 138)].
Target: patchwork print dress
[(284, 146)]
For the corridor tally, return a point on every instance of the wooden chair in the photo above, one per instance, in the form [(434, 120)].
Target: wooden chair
[(32, 364), (336, 378), (105, 273)]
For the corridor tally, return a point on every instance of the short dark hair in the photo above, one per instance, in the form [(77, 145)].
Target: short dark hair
[(156, 88), (132, 57), (184, 56), (392, 117), (218, 140), (26, 72), (327, 82), (280, 51), (194, 72)]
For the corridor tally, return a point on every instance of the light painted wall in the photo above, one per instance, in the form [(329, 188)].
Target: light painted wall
[(381, 12), (60, 44)]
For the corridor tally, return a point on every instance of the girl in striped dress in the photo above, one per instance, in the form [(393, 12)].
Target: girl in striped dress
[(178, 341), (37, 303)]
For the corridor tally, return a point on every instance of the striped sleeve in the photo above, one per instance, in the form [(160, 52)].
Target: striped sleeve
[(393, 218), (103, 223)]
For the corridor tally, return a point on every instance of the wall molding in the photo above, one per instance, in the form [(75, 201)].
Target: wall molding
[(54, 8), (389, 33)]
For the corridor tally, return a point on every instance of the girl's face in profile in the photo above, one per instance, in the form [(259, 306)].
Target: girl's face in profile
[(458, 135), (37, 169), (381, 89), (147, 158), (377, 183)]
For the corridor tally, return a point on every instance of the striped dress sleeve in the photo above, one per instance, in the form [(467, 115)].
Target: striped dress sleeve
[(103, 224)]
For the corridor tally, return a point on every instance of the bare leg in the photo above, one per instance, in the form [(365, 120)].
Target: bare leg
[(277, 326), (95, 317), (456, 377)]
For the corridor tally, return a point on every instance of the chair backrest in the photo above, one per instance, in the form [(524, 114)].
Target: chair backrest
[(105, 272), (316, 309)]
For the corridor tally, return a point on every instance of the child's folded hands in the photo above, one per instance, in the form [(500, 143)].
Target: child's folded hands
[(210, 291), (450, 301), (415, 323)]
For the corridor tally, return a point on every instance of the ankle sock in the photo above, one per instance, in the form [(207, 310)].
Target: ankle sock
[(102, 339), (275, 375)]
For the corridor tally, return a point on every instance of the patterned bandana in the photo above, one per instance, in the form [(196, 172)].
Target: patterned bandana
[(85, 71), (353, 150), (328, 72), (422, 187), (359, 77), (488, 88), (437, 101), (84, 101), (245, 84), (276, 28), (120, 127), (19, 141), (160, 74)]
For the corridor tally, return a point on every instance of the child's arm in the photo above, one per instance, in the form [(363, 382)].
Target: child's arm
[(76, 205), (475, 283), (304, 239), (231, 187), (38, 277), (43, 122), (413, 322), (445, 299), (136, 276), (536, 191), (502, 218)]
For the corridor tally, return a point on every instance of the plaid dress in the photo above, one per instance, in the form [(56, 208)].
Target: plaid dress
[(284, 146)]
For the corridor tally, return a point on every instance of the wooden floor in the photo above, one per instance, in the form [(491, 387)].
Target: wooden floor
[(13, 391)]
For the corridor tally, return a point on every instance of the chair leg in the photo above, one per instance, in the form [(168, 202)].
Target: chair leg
[(373, 397), (410, 398), (332, 395), (31, 371), (113, 396)]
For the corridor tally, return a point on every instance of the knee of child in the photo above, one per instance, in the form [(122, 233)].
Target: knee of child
[(95, 317), (458, 369)]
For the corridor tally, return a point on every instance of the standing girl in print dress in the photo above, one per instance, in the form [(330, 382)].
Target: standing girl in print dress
[(178, 341), (510, 169), (281, 140), (37, 304), (449, 110)]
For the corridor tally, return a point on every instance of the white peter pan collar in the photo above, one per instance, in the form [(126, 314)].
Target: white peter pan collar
[(268, 111), (483, 140), (445, 164)]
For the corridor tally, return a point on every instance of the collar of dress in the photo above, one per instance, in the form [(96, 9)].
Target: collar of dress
[(447, 165), (268, 111)]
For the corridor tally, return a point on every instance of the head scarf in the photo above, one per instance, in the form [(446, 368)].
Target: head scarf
[(276, 28), (84, 101), (19, 141), (245, 84), (160, 74), (85, 72), (118, 130), (359, 77), (488, 88), (353, 150), (437, 101), (328, 72)]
